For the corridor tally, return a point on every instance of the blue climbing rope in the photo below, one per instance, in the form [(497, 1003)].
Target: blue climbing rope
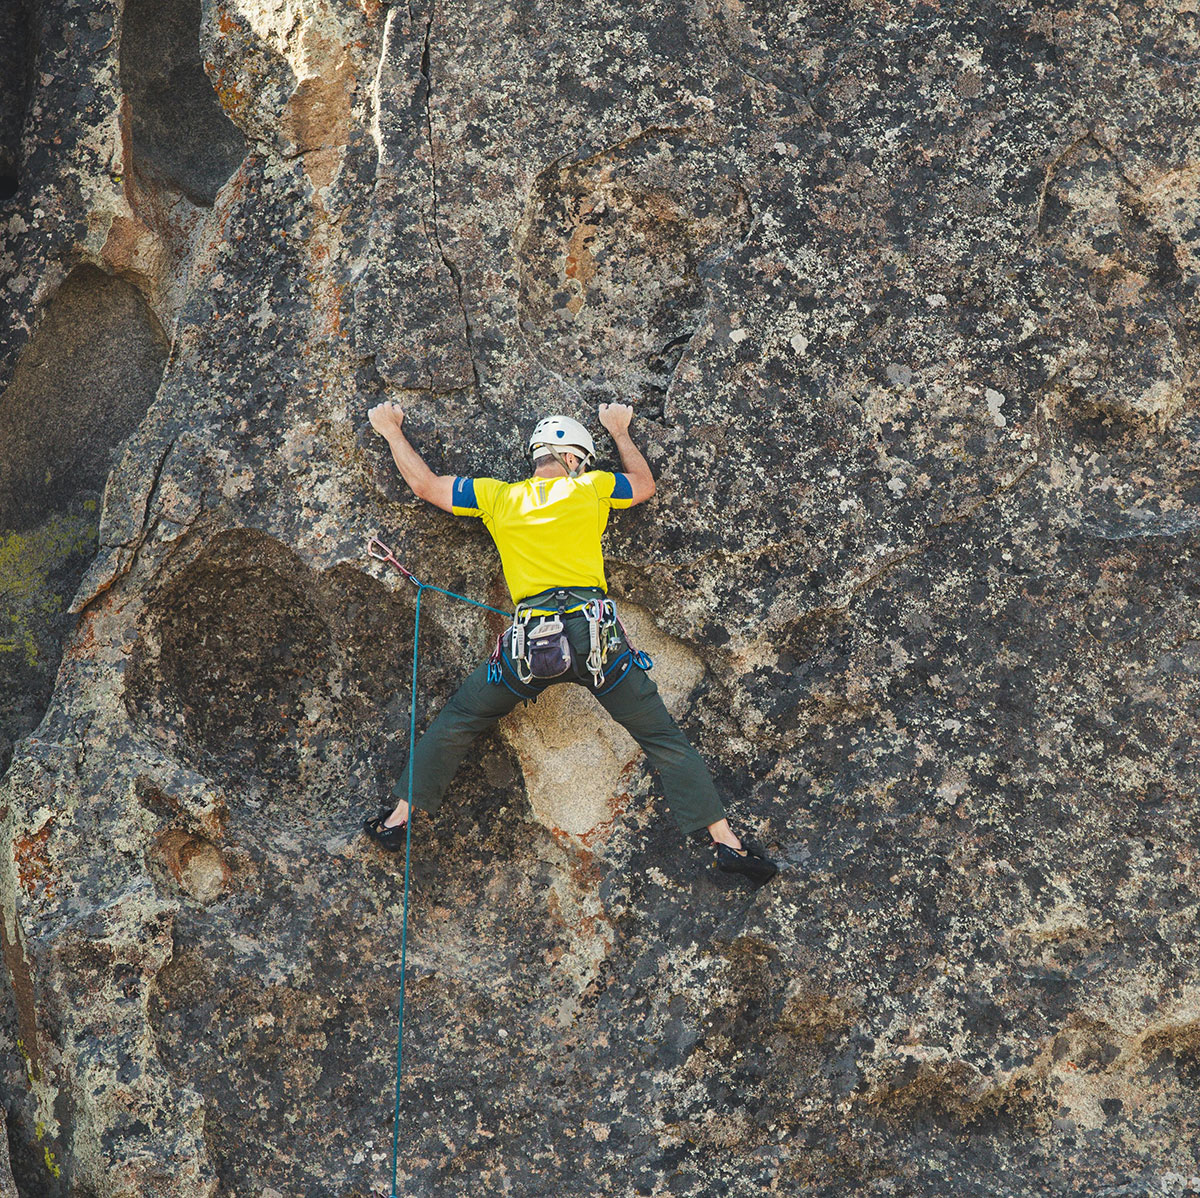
[(380, 552)]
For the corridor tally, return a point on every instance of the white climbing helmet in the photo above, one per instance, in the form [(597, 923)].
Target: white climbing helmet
[(561, 434)]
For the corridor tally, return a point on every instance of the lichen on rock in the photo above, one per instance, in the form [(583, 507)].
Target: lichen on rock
[(905, 298)]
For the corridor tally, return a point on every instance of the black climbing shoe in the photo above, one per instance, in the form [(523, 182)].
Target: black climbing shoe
[(752, 863), (392, 839)]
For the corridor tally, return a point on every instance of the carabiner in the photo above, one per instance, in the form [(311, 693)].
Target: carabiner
[(377, 550), (375, 544)]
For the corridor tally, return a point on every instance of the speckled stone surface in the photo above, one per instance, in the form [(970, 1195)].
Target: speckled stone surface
[(905, 296)]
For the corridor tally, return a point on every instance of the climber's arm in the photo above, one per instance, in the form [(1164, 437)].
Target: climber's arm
[(616, 418), (387, 420)]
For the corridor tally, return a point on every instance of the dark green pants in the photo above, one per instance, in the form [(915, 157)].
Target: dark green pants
[(634, 702)]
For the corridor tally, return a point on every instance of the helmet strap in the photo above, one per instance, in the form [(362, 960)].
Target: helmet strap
[(562, 461)]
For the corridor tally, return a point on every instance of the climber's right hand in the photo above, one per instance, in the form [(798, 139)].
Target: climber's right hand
[(386, 418)]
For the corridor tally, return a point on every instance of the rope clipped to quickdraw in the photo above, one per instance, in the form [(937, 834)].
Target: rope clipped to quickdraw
[(381, 553)]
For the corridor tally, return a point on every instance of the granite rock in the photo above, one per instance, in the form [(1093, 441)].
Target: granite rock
[(905, 297)]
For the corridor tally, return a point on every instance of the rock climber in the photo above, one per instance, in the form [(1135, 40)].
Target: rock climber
[(547, 529)]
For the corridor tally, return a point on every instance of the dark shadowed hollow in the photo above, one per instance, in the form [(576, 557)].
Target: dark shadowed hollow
[(182, 137)]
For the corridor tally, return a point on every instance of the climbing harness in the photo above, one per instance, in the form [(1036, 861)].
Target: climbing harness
[(538, 646), (542, 652), (381, 553)]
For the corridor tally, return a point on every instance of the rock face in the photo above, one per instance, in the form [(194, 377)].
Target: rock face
[(906, 297)]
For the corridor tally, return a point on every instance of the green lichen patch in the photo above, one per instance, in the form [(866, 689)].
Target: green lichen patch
[(31, 564), (39, 570)]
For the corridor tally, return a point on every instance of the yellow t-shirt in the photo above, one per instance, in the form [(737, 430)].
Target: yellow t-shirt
[(546, 529)]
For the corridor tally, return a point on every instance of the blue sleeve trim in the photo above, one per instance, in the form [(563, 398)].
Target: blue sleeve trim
[(622, 487), (463, 494)]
